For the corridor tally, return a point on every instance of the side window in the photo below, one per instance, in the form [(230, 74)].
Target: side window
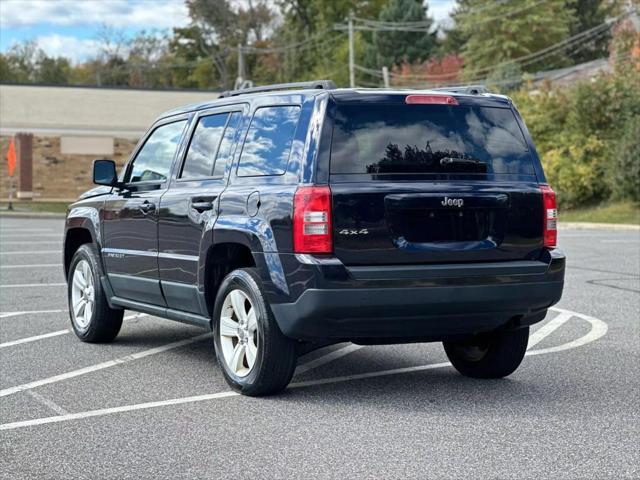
[(268, 143), (154, 160), (228, 140), (204, 146)]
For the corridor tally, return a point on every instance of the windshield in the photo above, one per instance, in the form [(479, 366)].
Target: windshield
[(388, 139)]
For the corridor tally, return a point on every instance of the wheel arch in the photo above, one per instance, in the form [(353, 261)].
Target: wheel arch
[(75, 237), (221, 259)]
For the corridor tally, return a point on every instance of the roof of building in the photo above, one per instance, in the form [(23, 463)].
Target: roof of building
[(58, 110)]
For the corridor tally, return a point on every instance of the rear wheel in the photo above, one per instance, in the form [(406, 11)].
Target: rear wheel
[(493, 355), (255, 357), (91, 317)]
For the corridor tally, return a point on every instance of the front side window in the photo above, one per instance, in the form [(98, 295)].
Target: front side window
[(226, 146), (204, 146), (268, 143), (154, 160)]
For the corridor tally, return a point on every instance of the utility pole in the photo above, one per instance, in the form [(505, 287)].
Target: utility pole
[(240, 78), (385, 76), (352, 73)]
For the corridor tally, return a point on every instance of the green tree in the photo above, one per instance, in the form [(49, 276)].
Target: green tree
[(8, 72), (52, 71), (589, 14), (392, 47), (325, 51), (222, 27), (516, 29)]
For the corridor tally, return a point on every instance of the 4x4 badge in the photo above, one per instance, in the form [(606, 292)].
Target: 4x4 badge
[(452, 202), (354, 231)]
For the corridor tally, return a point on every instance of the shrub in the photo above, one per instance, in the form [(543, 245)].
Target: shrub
[(587, 136), (505, 77), (625, 177)]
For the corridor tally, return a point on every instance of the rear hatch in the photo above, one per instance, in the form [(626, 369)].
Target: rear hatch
[(429, 182)]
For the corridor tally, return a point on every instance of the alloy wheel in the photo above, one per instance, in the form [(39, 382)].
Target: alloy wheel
[(238, 333), (82, 295)]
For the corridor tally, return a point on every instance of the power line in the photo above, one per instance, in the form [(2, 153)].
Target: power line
[(466, 15), (528, 59), (290, 46), (302, 46)]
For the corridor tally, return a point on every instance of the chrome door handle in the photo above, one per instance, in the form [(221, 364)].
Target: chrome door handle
[(147, 206), (202, 206)]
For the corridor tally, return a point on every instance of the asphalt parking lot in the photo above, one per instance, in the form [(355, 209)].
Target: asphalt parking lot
[(154, 404)]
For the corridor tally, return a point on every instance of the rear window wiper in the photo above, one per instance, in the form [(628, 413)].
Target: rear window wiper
[(460, 161)]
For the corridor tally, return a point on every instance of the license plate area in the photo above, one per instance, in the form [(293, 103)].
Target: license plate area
[(445, 226), (430, 219)]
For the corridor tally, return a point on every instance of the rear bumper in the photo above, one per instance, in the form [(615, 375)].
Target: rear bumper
[(425, 302)]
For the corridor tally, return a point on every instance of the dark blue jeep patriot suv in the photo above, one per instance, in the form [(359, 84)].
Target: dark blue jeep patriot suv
[(290, 217)]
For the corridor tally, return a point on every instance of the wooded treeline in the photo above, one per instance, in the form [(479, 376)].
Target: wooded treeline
[(294, 40)]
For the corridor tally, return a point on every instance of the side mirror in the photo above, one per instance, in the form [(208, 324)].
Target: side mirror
[(104, 173)]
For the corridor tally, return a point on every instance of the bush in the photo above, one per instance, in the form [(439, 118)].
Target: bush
[(625, 178), (587, 137), (505, 77)]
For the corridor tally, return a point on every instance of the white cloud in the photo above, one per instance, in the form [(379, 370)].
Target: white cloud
[(73, 48), (441, 11), (147, 14)]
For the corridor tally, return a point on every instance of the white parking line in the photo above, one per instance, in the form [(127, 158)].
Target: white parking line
[(103, 365), (40, 265), (31, 285), (31, 252), (598, 329), (329, 357), (53, 334), (31, 235), (33, 339), (125, 408), (548, 328), (48, 403), (28, 312), (20, 230), (25, 242)]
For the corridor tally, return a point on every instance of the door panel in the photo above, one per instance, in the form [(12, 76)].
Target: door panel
[(130, 254), (188, 209), (130, 218)]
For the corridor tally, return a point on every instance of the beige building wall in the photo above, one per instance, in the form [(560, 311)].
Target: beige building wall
[(72, 126)]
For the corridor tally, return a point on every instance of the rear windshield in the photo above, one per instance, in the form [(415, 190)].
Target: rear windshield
[(388, 139)]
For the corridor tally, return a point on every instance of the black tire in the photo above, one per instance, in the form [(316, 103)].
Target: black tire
[(105, 322), (493, 355), (275, 360)]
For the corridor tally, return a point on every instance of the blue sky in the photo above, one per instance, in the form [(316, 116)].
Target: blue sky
[(69, 27)]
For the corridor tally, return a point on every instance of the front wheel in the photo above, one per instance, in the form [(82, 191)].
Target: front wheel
[(255, 357), (493, 355), (92, 319)]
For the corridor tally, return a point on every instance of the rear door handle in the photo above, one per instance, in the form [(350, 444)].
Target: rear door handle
[(202, 206), (147, 206)]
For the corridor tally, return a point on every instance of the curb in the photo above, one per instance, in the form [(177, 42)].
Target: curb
[(598, 226), (6, 214)]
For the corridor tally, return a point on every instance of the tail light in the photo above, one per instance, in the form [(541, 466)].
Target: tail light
[(550, 216), (312, 231)]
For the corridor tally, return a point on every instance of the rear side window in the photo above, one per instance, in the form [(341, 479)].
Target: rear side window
[(204, 146), (268, 142), (405, 139)]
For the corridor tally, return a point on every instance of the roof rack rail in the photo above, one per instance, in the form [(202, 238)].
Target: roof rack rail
[(469, 89), (316, 84)]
